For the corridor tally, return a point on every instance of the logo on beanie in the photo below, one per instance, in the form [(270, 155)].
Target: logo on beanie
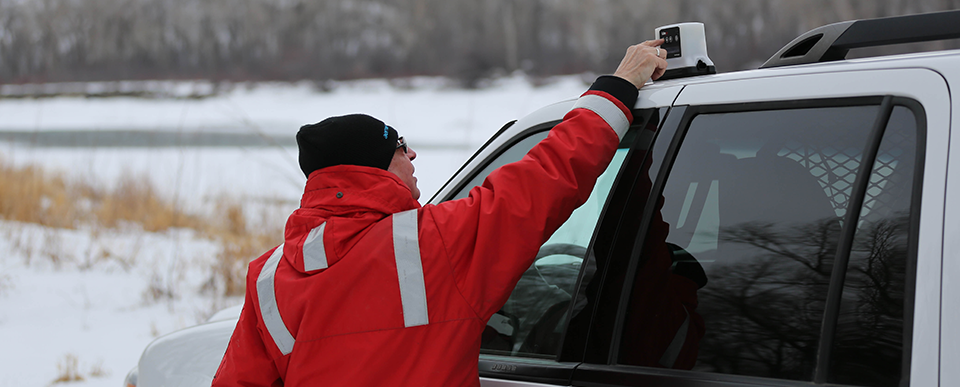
[(385, 131)]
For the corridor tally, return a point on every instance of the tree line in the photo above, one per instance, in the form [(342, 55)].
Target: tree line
[(286, 40)]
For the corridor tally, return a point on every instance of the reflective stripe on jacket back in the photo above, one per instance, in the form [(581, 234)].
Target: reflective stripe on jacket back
[(413, 297)]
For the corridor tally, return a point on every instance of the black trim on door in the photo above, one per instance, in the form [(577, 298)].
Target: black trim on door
[(605, 295), (580, 325)]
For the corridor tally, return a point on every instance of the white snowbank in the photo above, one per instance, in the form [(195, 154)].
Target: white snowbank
[(98, 296)]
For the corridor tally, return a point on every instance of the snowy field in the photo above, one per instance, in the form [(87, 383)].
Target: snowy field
[(91, 300)]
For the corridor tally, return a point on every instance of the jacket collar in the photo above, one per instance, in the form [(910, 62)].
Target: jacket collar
[(342, 192), (345, 189)]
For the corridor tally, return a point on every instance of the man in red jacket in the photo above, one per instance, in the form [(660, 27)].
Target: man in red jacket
[(371, 289)]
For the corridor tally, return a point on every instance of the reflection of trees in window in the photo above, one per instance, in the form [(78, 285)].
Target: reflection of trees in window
[(762, 208), (869, 343), (764, 312)]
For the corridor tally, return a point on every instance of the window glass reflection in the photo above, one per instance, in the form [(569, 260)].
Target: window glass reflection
[(868, 346), (736, 265)]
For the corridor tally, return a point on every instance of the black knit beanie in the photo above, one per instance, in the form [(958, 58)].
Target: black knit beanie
[(355, 139)]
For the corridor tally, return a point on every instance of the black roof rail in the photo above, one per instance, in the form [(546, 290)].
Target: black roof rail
[(832, 42)]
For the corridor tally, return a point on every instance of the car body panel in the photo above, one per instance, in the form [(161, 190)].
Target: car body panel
[(949, 336), (188, 357), (231, 313)]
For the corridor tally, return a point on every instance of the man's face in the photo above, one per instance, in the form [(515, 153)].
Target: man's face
[(402, 166)]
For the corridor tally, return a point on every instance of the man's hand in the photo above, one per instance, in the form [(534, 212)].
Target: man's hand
[(642, 62)]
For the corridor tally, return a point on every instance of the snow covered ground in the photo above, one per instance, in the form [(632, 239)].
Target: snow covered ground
[(99, 296)]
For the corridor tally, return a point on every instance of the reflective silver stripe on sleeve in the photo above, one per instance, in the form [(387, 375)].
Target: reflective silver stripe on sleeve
[(673, 351), (314, 256), (406, 248), (607, 110), (267, 297)]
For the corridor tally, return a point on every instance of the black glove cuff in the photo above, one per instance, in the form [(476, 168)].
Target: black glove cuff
[(619, 88)]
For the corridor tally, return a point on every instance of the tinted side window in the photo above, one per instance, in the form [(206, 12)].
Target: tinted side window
[(869, 344), (736, 265)]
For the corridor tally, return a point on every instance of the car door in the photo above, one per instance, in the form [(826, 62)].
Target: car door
[(794, 240), (529, 341)]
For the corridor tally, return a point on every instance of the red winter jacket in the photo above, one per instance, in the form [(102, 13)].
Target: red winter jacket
[(370, 289)]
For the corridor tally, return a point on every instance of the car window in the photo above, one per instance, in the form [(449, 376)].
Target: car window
[(530, 324), (513, 153), (542, 296), (737, 261), (868, 348)]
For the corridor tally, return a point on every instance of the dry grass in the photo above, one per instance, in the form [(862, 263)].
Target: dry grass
[(135, 200), (68, 370), (97, 371), (30, 194), (241, 244)]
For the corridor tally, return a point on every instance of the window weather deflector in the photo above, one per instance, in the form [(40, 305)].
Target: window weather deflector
[(832, 42)]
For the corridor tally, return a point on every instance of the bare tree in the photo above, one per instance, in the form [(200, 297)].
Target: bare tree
[(69, 40)]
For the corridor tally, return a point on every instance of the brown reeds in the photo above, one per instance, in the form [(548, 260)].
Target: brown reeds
[(134, 199), (33, 195), (241, 244), (68, 370), (29, 194)]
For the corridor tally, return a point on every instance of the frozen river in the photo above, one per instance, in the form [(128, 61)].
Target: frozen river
[(241, 143)]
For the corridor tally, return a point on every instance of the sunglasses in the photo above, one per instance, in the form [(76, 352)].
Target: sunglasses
[(401, 143)]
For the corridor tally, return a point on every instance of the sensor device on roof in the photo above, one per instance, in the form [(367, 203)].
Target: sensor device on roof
[(686, 45)]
